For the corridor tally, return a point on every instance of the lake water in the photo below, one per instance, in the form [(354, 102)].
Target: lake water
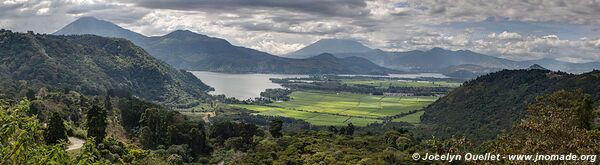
[(245, 86), (240, 86)]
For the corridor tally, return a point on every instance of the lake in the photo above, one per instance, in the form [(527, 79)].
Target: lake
[(240, 86), (246, 86)]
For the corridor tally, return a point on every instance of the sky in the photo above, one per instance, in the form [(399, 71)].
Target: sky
[(566, 30)]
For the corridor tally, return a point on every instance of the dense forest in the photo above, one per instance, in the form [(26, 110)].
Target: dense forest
[(484, 107), (91, 65), (122, 129)]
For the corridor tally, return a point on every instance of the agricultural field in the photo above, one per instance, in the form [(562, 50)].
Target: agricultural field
[(414, 118), (400, 83), (325, 108)]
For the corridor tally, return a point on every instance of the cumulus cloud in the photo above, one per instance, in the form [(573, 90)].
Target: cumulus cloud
[(505, 36)]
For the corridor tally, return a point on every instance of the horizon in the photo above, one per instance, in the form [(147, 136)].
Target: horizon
[(389, 26)]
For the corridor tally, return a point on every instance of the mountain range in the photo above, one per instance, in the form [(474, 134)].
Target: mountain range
[(92, 65), (435, 60), (187, 50)]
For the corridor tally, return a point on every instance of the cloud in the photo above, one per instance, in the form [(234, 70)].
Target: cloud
[(332, 8), (506, 36), (566, 30)]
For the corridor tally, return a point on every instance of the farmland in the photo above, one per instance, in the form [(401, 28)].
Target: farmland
[(400, 83), (325, 108)]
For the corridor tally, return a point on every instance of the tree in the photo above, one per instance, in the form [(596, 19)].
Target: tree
[(555, 121), (276, 127), (89, 154), (350, 129), (333, 129), (96, 123), (33, 110), (107, 103), (56, 130), (30, 94), (147, 138), (198, 142)]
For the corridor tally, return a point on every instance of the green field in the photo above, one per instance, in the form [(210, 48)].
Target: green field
[(400, 83), (414, 118), (322, 108)]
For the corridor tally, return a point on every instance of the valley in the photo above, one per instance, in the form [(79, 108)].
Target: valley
[(297, 82), (338, 109)]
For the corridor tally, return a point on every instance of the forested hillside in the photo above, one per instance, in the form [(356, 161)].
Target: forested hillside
[(90, 64), (483, 107)]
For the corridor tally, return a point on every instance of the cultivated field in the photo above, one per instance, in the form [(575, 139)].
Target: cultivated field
[(323, 108), (400, 83), (414, 118)]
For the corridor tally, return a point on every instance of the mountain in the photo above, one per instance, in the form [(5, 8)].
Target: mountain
[(355, 65), (330, 46), (434, 60), (467, 71), (439, 60), (553, 64), (92, 65), (91, 25), (187, 50), (536, 66), (483, 107)]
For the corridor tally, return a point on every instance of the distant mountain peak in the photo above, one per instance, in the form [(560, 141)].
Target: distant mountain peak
[(330, 45), (536, 66), (93, 25), (182, 34), (90, 18), (437, 49), (90, 22), (324, 56)]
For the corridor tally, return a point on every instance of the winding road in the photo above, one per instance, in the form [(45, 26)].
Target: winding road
[(76, 143)]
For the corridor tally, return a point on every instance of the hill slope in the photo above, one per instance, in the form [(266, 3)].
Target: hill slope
[(330, 46), (191, 51), (483, 107), (92, 65)]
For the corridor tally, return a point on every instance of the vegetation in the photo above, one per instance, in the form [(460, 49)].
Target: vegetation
[(561, 121), (163, 136), (91, 65), (45, 98), (482, 108), (414, 118), (324, 108), (276, 94), (56, 131), (96, 123), (275, 128), (399, 83), (369, 85)]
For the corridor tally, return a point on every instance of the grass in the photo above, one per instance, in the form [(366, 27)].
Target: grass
[(414, 118), (400, 83), (324, 108)]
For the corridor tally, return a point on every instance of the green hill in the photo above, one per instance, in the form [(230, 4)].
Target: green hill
[(483, 107), (89, 64)]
